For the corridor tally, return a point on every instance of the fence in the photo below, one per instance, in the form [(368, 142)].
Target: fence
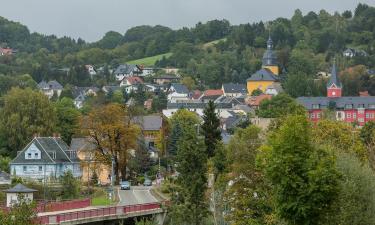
[(99, 212), (63, 205)]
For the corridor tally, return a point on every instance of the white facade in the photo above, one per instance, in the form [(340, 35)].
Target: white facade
[(175, 97), (13, 198)]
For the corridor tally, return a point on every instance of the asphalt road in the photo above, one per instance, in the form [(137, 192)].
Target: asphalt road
[(136, 195)]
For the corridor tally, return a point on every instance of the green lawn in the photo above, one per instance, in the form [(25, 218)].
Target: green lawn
[(149, 61), (100, 201)]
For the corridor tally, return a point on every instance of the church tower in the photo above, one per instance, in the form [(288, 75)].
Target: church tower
[(334, 86), (269, 60)]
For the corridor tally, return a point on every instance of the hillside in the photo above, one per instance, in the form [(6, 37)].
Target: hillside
[(150, 61)]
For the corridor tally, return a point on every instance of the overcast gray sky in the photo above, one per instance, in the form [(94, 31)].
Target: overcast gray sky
[(91, 19)]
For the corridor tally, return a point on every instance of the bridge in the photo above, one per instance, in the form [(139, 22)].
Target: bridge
[(137, 202)]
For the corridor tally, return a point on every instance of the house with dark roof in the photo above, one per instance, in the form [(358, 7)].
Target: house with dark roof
[(81, 93), (351, 52), (153, 129), (44, 158), (234, 90), (51, 88), (358, 109), (127, 70), (178, 93)]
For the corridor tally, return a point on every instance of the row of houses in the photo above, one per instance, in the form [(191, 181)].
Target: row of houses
[(46, 158)]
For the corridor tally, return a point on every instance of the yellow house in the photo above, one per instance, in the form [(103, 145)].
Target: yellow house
[(86, 151), (266, 76), (261, 80)]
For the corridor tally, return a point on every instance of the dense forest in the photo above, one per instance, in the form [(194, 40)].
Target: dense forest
[(216, 50)]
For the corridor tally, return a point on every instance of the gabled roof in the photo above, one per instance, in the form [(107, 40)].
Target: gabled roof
[(134, 80), (149, 122), (126, 69), (20, 188), (82, 144), (54, 85), (263, 74), (234, 88), (46, 145), (334, 79), (180, 88), (255, 100)]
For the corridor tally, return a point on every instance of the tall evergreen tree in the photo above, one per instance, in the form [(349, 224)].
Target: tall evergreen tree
[(189, 205), (211, 128), (173, 139)]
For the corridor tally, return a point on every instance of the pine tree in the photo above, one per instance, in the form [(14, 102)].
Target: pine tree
[(173, 139), (211, 128), (190, 205)]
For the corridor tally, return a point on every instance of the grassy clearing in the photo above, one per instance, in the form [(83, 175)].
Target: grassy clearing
[(209, 44), (150, 61)]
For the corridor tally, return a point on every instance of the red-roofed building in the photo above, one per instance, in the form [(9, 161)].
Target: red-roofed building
[(196, 94), (211, 94), (6, 51), (131, 83), (254, 101)]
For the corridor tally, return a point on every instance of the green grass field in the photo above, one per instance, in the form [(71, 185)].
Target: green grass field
[(100, 201), (149, 61)]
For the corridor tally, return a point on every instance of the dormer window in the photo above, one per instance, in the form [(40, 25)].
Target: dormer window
[(316, 106), (36, 155), (349, 106), (29, 155)]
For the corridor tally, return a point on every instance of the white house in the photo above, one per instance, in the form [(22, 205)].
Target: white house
[(51, 88), (131, 84), (178, 93), (19, 193), (45, 157), (274, 89), (127, 70), (90, 69)]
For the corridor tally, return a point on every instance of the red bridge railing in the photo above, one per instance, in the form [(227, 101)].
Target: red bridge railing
[(99, 212)]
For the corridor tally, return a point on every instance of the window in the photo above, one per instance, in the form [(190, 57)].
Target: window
[(371, 106), (312, 115), (318, 115), (24, 168), (29, 155), (354, 115), (349, 115), (36, 155), (315, 106), (40, 168), (348, 106), (361, 106), (367, 115)]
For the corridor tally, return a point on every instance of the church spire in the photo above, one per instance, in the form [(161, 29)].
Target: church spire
[(334, 86)]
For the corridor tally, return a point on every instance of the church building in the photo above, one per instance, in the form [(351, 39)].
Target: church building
[(268, 75), (358, 109)]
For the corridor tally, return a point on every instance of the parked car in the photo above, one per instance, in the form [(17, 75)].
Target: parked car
[(147, 182), (125, 185)]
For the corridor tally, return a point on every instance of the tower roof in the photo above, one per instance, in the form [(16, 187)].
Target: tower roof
[(334, 80), (269, 57)]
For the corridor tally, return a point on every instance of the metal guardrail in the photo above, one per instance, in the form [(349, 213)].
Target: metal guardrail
[(99, 212)]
